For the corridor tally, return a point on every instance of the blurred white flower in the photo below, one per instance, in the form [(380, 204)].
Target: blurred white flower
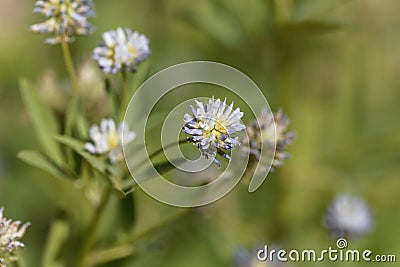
[(108, 139), (93, 92), (10, 234), (65, 19), (348, 217), (55, 92), (266, 125), (121, 50), (211, 127)]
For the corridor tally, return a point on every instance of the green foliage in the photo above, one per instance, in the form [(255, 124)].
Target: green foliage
[(58, 234), (307, 28), (43, 119), (45, 163), (127, 212), (79, 147)]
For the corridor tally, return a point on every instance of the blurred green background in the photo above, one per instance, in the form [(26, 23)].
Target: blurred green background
[(331, 65)]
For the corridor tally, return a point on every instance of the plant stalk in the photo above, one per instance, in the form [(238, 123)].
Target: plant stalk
[(124, 96), (125, 249), (93, 225), (160, 150), (70, 68)]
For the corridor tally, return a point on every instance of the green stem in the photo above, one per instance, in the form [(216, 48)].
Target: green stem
[(152, 155), (155, 153), (179, 214), (125, 95), (127, 247), (160, 150), (93, 225), (70, 68), (110, 254)]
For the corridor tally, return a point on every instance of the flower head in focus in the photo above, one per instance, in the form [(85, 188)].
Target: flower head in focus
[(65, 19), (10, 234), (348, 217), (121, 50), (261, 134), (211, 126), (108, 139)]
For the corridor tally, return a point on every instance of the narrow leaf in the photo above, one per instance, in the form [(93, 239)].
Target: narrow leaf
[(43, 119), (127, 212), (81, 126), (164, 167), (78, 146), (58, 234), (44, 163), (308, 27), (72, 114)]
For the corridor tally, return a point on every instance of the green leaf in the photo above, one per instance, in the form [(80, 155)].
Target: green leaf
[(127, 212), (81, 126), (79, 148), (44, 163), (164, 167), (112, 96), (43, 120), (98, 164), (308, 27), (72, 114), (58, 234), (69, 126), (108, 86)]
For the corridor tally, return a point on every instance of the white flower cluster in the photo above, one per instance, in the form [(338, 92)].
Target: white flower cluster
[(108, 139), (121, 50), (65, 19), (211, 127), (348, 217), (10, 234)]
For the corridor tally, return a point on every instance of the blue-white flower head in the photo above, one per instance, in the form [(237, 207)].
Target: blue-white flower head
[(108, 139), (65, 19), (211, 127), (265, 125), (10, 234), (348, 217), (121, 50)]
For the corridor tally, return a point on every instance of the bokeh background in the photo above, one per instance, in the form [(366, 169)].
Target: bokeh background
[(331, 65)]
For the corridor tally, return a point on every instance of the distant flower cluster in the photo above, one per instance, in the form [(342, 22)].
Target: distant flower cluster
[(348, 217), (121, 50), (108, 139), (261, 133), (10, 234), (212, 126), (65, 19)]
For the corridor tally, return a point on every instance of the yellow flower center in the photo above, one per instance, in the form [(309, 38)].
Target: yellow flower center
[(133, 51), (113, 139), (219, 127), (217, 131)]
